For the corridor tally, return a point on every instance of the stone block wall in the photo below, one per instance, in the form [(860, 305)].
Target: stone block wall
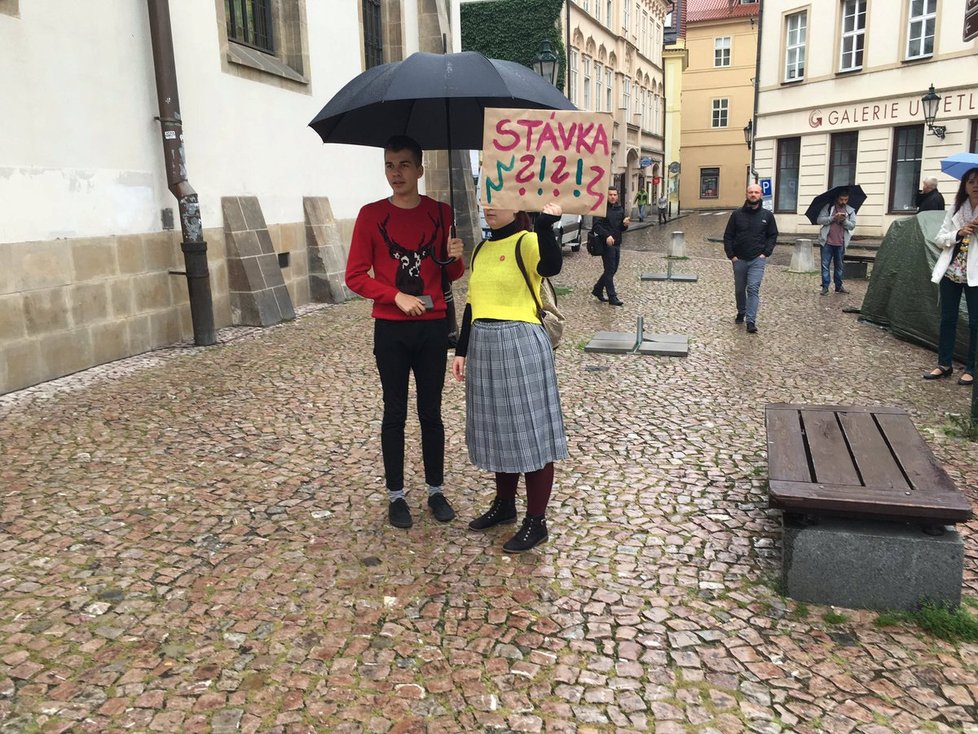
[(66, 305)]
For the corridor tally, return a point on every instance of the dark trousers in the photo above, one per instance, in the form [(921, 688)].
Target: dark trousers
[(663, 215), (403, 347), (610, 260), (950, 298)]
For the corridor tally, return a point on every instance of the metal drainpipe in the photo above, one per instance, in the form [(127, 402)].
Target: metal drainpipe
[(193, 245), (757, 86)]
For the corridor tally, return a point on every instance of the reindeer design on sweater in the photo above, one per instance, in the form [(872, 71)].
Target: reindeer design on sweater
[(408, 279)]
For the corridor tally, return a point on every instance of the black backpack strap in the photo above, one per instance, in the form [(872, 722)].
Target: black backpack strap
[(526, 277), (475, 252)]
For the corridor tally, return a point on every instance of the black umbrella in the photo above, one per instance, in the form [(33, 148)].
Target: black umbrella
[(437, 99), (856, 198)]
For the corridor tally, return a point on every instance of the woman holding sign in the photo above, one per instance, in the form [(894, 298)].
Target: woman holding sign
[(513, 421)]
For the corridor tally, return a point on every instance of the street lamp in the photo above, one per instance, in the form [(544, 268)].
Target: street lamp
[(546, 62), (931, 101), (749, 133)]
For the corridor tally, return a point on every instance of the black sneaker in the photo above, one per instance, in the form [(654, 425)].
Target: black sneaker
[(842, 290), (751, 327), (599, 295), (440, 508), (616, 302), (825, 290), (531, 534), (502, 511), (739, 319), (399, 514)]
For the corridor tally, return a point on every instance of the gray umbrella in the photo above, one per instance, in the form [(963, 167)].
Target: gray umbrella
[(437, 99)]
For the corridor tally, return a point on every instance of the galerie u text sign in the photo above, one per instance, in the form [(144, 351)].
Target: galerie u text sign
[(532, 157)]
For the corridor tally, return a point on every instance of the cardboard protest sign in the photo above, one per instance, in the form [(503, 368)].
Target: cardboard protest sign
[(531, 157)]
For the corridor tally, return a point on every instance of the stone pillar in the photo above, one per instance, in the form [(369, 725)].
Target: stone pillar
[(802, 260), (327, 256), (677, 246), (256, 287)]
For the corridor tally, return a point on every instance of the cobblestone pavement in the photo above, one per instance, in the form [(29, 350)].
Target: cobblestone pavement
[(195, 539)]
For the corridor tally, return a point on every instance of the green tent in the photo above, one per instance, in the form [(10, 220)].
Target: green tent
[(900, 295)]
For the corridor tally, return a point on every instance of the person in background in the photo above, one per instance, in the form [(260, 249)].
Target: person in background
[(956, 272), (838, 220), (663, 208), (397, 239), (929, 198), (641, 201), (513, 421), (611, 226), (748, 241)]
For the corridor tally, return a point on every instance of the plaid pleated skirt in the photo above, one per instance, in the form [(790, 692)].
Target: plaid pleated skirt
[(513, 421)]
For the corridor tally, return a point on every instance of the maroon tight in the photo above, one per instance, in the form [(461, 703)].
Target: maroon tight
[(539, 484)]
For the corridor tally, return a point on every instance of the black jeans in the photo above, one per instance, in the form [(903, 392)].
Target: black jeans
[(610, 260), (421, 347)]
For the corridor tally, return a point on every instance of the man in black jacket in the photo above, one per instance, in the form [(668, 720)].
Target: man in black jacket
[(748, 241), (929, 198), (610, 227)]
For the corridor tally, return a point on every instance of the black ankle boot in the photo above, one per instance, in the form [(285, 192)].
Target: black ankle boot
[(533, 532), (501, 512)]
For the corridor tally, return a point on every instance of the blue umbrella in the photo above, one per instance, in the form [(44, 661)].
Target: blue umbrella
[(959, 164)]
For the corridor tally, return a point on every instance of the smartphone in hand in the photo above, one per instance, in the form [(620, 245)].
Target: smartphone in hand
[(426, 300)]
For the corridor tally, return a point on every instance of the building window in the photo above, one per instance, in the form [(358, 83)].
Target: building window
[(796, 32), (598, 86), (908, 146), (720, 109), (842, 161), (626, 96), (669, 19), (609, 79), (709, 183), (597, 10), (920, 28), (265, 35), (973, 146), (786, 192), (586, 65), (853, 34), (607, 14), (250, 23), (624, 17), (721, 51), (573, 76), (373, 37)]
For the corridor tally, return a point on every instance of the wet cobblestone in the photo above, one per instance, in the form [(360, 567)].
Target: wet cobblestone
[(195, 540)]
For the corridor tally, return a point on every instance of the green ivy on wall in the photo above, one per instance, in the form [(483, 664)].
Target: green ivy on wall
[(513, 30)]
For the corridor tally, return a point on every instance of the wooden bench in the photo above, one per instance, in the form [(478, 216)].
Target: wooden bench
[(856, 265), (858, 462), (866, 508)]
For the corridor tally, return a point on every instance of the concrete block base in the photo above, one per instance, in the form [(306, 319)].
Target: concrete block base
[(870, 565), (855, 271)]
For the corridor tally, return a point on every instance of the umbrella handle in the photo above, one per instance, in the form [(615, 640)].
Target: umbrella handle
[(449, 261)]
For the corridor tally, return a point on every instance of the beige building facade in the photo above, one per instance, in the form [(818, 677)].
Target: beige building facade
[(90, 238), (717, 102), (675, 59), (839, 102), (616, 66)]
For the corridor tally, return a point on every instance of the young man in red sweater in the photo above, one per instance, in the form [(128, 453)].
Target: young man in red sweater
[(398, 239)]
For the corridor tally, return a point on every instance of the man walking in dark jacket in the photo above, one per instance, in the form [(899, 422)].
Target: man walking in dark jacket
[(610, 227), (748, 241)]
